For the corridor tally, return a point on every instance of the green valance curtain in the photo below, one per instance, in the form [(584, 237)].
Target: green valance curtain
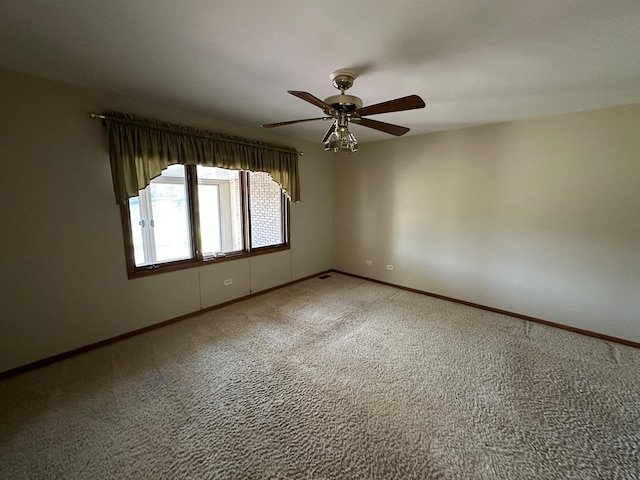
[(141, 148)]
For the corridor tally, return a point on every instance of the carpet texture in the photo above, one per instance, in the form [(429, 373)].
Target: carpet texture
[(331, 379)]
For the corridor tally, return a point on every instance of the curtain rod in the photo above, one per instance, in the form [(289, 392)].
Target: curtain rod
[(100, 116)]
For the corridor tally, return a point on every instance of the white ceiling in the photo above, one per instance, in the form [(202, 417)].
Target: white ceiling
[(472, 61)]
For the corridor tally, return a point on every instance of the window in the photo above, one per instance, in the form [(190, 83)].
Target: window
[(159, 219), (220, 206), (194, 214), (266, 207)]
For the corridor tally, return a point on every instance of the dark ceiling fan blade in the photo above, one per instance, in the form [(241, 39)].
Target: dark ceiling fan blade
[(410, 102), (329, 132), (280, 124), (307, 97), (396, 130)]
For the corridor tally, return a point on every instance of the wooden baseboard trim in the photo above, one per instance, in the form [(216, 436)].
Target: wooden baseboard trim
[(77, 351), (541, 321)]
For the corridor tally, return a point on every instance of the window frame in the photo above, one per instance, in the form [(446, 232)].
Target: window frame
[(198, 260)]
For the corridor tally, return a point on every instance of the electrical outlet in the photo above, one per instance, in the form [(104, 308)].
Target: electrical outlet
[(228, 282), (389, 267), (368, 262)]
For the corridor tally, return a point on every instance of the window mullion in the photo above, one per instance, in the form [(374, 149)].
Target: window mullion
[(246, 210), (194, 211), (285, 218)]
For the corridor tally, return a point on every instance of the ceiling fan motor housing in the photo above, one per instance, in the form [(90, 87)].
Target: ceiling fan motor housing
[(343, 103)]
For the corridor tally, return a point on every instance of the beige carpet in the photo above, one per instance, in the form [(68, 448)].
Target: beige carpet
[(331, 379)]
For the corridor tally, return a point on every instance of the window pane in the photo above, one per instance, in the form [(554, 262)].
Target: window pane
[(266, 210), (160, 224), (209, 198), (170, 215), (220, 210), (136, 230)]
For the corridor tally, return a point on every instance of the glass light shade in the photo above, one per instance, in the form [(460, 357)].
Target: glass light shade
[(341, 140)]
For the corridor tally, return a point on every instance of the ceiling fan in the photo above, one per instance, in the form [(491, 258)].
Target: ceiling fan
[(343, 108)]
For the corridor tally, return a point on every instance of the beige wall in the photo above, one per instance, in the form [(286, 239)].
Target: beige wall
[(64, 282), (539, 217)]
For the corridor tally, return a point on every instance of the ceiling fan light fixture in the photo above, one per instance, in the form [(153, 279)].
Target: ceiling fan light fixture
[(341, 140)]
